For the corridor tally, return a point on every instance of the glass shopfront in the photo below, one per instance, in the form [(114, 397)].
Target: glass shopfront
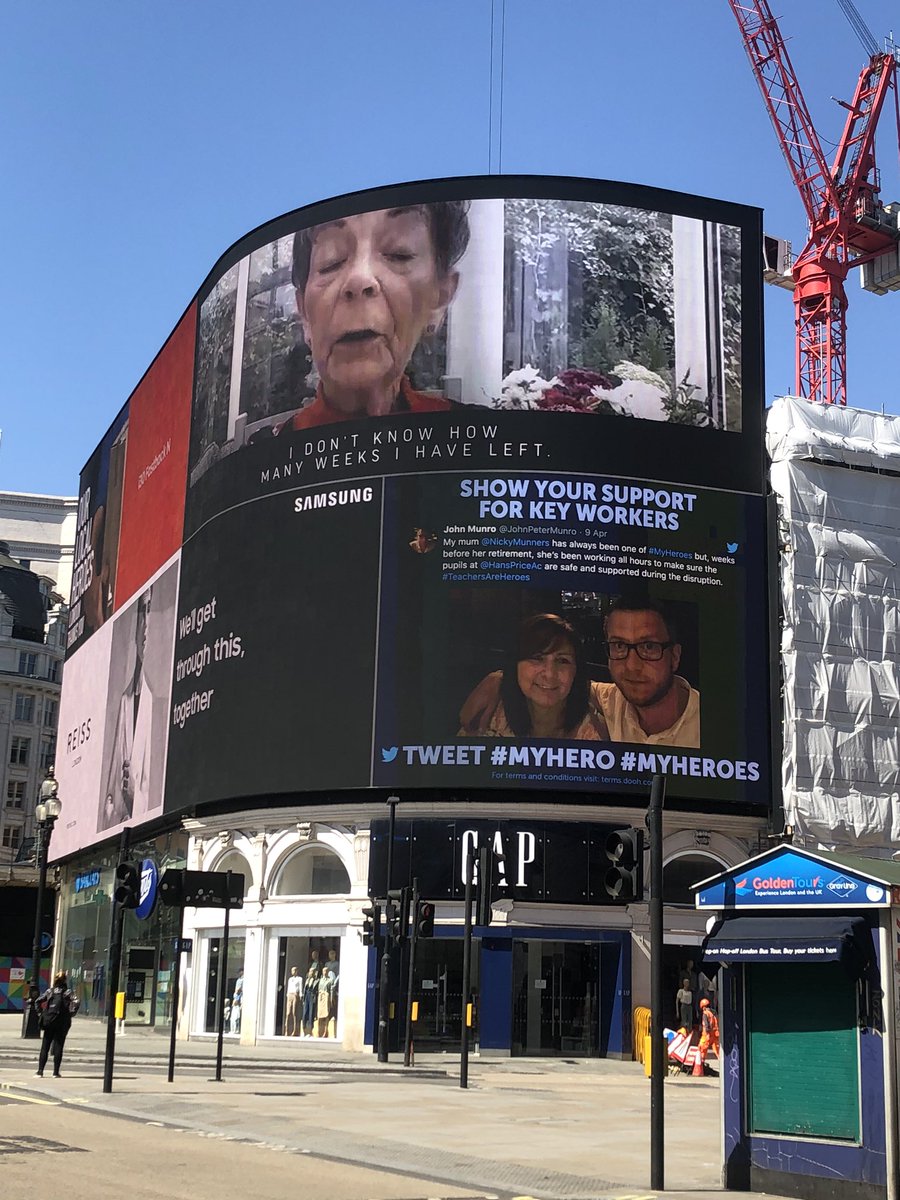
[(438, 990), (556, 995), (85, 933), (230, 979), (306, 999)]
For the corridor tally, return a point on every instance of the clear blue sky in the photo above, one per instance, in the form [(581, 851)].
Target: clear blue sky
[(139, 140)]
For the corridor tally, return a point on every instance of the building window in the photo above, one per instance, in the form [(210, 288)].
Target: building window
[(312, 871), (51, 712), (24, 707), (15, 793), (53, 670), (12, 836), (48, 752), (18, 751), (27, 663)]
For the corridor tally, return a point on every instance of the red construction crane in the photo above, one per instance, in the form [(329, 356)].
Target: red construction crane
[(848, 224)]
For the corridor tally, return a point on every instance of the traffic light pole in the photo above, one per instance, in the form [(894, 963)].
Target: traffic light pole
[(413, 940), (657, 1020), (115, 966), (467, 978), (220, 991), (386, 943), (176, 991)]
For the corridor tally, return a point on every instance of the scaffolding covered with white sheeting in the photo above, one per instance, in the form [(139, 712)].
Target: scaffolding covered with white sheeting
[(836, 475)]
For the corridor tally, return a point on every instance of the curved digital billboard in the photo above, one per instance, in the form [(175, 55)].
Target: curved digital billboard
[(450, 484)]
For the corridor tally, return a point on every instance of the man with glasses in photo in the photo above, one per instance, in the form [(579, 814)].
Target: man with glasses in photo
[(647, 700)]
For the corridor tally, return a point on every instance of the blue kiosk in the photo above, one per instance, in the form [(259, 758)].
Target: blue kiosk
[(810, 951)]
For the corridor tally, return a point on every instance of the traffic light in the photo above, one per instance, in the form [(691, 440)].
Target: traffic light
[(623, 869), (371, 924), (397, 913), (484, 886), (424, 919), (128, 892)]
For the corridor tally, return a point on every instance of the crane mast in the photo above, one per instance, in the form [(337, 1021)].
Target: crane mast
[(848, 224)]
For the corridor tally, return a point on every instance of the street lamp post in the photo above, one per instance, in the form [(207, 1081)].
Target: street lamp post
[(46, 812)]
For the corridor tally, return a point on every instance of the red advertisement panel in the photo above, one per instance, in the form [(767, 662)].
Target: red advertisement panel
[(155, 474)]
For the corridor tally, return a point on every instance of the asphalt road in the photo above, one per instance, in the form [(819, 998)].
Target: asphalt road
[(53, 1148)]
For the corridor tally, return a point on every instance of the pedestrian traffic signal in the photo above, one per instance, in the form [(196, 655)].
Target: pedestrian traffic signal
[(424, 919), (623, 869), (371, 924), (128, 892)]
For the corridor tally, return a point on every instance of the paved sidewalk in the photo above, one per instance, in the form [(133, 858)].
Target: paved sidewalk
[(543, 1128)]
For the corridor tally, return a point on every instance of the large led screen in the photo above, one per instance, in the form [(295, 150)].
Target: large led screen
[(473, 498)]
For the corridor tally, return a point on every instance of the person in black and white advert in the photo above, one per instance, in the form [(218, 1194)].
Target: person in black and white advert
[(137, 705)]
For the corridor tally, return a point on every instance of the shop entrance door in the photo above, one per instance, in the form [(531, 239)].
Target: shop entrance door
[(438, 990), (556, 988)]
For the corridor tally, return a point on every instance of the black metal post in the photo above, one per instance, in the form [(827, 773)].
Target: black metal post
[(115, 965), (30, 1024), (223, 973), (386, 943), (413, 939), (176, 981), (466, 979), (657, 1018)]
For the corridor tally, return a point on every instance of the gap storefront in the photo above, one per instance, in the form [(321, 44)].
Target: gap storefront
[(551, 974)]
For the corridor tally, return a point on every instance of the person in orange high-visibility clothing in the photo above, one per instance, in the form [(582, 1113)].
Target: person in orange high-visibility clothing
[(709, 1031)]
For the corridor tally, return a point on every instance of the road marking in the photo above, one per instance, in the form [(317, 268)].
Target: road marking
[(16, 1099)]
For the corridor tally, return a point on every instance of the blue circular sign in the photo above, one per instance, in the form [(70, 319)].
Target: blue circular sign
[(149, 883)]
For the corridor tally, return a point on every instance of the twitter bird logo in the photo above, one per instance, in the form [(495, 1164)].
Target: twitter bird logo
[(732, 547), (388, 753)]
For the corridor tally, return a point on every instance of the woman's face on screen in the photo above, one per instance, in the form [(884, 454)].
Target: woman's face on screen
[(545, 679), (373, 289)]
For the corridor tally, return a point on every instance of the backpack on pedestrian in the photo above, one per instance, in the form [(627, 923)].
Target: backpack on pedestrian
[(59, 1005)]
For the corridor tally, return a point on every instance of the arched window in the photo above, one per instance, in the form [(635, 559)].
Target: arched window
[(682, 872), (233, 860), (312, 871)]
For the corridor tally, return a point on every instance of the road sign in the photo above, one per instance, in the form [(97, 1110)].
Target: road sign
[(202, 889)]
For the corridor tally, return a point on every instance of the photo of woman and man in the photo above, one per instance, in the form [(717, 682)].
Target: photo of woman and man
[(548, 689)]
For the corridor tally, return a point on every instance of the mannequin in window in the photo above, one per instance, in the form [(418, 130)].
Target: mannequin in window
[(326, 1001), (293, 1018), (310, 993), (236, 1001)]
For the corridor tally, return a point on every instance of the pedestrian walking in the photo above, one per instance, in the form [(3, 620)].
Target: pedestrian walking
[(56, 1008)]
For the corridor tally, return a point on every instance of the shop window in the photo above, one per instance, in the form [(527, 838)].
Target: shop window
[(312, 871), (306, 1002), (681, 873), (231, 979), (234, 861)]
